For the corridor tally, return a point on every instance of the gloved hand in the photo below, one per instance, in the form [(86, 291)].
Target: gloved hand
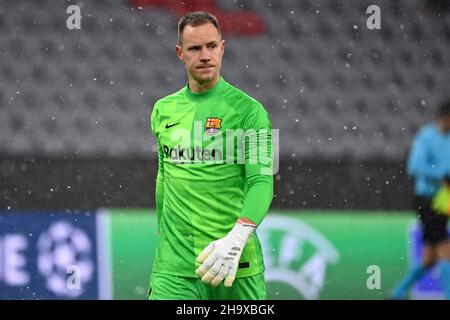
[(220, 259), (441, 201)]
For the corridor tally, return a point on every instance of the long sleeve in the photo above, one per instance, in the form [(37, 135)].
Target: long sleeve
[(159, 188), (258, 167), (420, 165)]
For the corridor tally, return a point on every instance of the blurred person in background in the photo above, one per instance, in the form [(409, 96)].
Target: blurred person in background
[(429, 166), (437, 6), (207, 212)]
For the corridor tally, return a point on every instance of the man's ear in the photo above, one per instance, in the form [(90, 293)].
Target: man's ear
[(179, 52)]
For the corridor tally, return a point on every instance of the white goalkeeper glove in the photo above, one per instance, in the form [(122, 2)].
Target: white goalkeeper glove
[(220, 259)]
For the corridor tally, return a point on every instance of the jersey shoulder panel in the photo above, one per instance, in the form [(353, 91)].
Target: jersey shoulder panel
[(169, 99), (251, 110), (244, 100)]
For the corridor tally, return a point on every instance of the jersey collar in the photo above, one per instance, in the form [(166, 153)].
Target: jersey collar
[(208, 93)]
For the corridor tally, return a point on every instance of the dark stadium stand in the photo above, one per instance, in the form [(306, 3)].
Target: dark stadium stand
[(334, 88)]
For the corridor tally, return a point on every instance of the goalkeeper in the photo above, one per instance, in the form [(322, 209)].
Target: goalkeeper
[(212, 190), (429, 165)]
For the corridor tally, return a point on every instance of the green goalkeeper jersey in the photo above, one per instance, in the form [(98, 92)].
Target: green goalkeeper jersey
[(214, 167)]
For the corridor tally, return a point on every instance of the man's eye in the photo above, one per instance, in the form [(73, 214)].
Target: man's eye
[(213, 46)]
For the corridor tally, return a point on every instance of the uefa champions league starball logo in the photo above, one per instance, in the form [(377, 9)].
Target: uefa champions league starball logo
[(284, 241), (61, 247)]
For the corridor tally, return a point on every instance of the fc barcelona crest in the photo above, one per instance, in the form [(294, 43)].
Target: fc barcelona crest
[(212, 126)]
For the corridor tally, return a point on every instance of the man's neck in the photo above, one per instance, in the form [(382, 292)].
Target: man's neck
[(442, 129), (197, 87)]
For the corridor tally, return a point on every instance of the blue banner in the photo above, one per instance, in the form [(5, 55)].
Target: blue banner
[(49, 255)]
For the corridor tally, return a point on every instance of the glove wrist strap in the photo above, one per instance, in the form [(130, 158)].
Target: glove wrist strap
[(243, 230)]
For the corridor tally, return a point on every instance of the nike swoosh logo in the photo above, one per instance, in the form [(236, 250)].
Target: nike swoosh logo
[(171, 125)]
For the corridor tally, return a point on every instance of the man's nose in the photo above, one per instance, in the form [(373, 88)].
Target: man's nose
[(205, 55)]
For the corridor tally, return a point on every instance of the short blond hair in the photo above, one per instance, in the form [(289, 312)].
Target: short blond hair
[(196, 19)]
